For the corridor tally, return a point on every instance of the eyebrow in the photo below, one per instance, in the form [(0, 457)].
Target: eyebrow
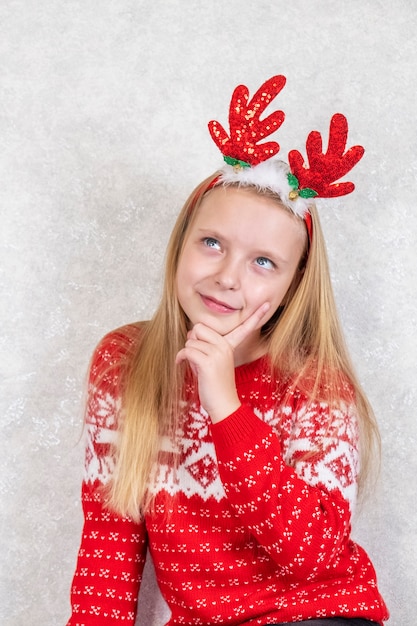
[(211, 232)]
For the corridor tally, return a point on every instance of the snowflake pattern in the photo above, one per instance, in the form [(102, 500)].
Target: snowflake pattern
[(251, 529), (100, 435)]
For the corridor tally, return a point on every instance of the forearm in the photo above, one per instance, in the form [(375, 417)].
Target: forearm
[(109, 567), (303, 527)]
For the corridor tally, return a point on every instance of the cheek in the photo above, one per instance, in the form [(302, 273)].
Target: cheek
[(272, 292), (188, 265), (183, 271), (181, 281)]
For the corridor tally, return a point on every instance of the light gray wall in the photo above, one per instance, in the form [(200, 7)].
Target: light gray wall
[(103, 113)]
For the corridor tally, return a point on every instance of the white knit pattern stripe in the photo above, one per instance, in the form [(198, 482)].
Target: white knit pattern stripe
[(335, 467)]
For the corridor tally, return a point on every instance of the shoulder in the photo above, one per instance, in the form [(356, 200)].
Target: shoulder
[(113, 355), (106, 374), (115, 347), (326, 409), (324, 385)]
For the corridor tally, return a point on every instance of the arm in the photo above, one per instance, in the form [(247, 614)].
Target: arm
[(302, 522), (300, 514), (113, 548)]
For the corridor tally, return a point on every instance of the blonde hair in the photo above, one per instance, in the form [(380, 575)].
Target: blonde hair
[(305, 342)]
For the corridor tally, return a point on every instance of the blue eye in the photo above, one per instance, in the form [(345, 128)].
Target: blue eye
[(262, 261), (210, 242)]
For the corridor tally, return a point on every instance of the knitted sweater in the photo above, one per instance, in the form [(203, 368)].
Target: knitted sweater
[(247, 530)]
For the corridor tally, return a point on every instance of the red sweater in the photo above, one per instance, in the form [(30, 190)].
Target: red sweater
[(247, 531)]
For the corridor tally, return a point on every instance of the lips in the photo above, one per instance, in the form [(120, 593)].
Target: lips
[(217, 306)]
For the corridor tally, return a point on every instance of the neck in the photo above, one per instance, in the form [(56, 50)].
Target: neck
[(250, 350)]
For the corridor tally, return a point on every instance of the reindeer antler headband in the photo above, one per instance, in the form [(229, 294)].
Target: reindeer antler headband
[(249, 162)]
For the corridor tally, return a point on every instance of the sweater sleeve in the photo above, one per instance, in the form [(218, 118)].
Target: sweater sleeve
[(300, 514), (112, 553)]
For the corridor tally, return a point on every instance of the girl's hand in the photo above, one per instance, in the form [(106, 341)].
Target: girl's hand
[(211, 357)]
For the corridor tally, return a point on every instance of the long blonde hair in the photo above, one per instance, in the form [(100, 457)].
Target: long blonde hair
[(305, 343)]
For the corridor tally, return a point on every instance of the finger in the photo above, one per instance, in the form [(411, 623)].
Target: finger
[(199, 339), (183, 356), (187, 354), (241, 332), (195, 347), (201, 332), (191, 334), (205, 347), (180, 357)]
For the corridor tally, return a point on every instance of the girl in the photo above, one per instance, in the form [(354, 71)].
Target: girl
[(229, 434)]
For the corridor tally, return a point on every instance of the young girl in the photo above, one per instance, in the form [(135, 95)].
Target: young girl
[(229, 434)]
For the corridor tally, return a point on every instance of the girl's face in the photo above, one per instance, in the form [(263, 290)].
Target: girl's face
[(241, 251)]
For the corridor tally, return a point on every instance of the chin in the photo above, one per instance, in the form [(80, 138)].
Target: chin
[(221, 326)]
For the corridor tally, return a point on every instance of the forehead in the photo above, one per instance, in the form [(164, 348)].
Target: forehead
[(250, 222), (245, 208)]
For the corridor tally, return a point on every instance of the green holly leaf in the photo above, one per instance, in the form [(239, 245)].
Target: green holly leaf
[(292, 180), (307, 193), (235, 162)]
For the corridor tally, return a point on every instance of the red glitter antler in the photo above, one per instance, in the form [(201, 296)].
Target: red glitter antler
[(246, 129), (326, 169)]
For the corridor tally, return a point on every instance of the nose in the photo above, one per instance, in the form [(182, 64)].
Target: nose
[(228, 275)]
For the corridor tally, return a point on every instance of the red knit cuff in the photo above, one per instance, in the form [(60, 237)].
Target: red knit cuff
[(240, 426)]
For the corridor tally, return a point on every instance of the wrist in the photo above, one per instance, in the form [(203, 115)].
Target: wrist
[(223, 410)]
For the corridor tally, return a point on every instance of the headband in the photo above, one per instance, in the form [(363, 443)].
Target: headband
[(249, 162)]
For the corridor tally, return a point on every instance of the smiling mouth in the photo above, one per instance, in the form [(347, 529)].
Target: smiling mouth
[(216, 305)]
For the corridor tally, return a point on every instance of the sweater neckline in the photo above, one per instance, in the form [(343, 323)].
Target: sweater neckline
[(247, 371)]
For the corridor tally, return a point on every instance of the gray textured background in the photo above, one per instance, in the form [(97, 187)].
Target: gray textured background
[(103, 112)]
